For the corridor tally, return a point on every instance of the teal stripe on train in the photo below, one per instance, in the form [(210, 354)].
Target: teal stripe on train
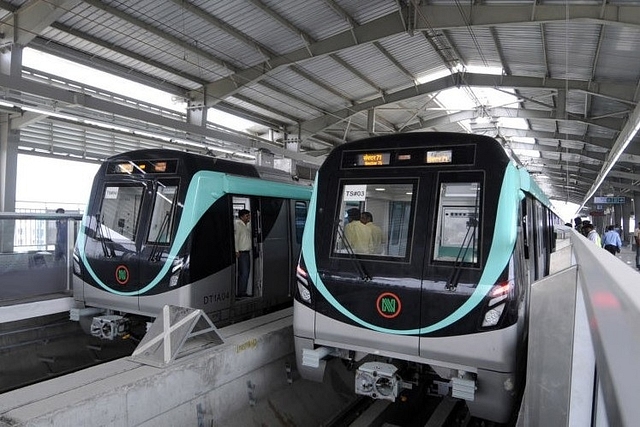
[(504, 240), (204, 189)]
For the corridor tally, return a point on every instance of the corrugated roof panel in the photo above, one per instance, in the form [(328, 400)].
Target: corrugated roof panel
[(294, 84), (261, 111), (315, 17), (334, 74), (366, 11), (570, 49), (619, 55), (415, 54), (601, 132), (522, 49), (476, 46), (370, 61), (601, 106), (255, 24), (280, 102), (575, 102)]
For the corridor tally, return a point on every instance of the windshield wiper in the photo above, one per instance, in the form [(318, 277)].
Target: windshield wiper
[(454, 278), (107, 250), (352, 255), (155, 253)]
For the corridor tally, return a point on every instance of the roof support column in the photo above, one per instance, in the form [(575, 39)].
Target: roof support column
[(371, 121), (10, 64), (636, 213), (197, 114), (627, 230)]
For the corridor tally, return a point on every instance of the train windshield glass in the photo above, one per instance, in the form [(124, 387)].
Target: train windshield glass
[(458, 222), (120, 212), (163, 213), (374, 219)]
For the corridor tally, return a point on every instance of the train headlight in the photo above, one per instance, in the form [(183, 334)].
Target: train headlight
[(76, 265), (302, 279), (173, 280), (175, 272), (304, 293), (492, 316)]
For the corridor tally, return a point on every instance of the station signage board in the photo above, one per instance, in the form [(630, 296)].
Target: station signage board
[(609, 200)]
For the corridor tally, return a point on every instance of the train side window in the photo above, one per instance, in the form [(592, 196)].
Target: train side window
[(163, 213), (120, 211), (457, 229), (374, 219)]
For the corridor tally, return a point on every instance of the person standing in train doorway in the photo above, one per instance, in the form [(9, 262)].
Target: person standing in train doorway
[(242, 237), (636, 236), (60, 252)]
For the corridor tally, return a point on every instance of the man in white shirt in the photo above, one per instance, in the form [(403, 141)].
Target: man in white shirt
[(242, 239)]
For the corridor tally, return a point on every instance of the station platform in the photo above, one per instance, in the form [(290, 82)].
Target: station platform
[(246, 380)]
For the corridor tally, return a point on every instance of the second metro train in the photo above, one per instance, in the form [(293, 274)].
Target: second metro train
[(443, 290), (159, 230)]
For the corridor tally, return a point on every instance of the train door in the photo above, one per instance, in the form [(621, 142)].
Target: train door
[(248, 261), (275, 240)]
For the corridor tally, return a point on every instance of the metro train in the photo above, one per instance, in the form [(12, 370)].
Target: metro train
[(443, 294), (159, 230)]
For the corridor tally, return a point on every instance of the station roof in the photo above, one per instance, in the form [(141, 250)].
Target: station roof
[(557, 81)]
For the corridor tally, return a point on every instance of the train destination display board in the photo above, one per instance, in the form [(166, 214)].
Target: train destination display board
[(373, 159)]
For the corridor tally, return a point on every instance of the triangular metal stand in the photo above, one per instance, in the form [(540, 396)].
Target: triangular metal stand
[(167, 336)]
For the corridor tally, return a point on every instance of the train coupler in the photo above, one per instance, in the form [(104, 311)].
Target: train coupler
[(109, 327), (378, 380)]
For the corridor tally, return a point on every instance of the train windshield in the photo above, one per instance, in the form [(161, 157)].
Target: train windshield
[(120, 213), (162, 215), (456, 237), (374, 219)]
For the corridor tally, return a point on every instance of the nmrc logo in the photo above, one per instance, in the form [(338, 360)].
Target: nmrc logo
[(122, 274), (388, 305)]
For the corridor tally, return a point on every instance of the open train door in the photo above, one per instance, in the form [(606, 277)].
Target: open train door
[(254, 284)]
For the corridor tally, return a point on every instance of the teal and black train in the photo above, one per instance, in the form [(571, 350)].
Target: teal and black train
[(159, 230), (418, 257)]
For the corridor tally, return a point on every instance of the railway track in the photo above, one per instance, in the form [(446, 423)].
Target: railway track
[(43, 348)]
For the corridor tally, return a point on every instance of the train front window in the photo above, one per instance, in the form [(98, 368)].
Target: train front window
[(162, 215), (374, 219), (457, 227), (119, 216)]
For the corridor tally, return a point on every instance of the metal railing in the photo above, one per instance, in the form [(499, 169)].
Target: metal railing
[(584, 341)]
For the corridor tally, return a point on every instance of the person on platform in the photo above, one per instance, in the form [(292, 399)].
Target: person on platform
[(592, 234), (60, 251), (611, 240)]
